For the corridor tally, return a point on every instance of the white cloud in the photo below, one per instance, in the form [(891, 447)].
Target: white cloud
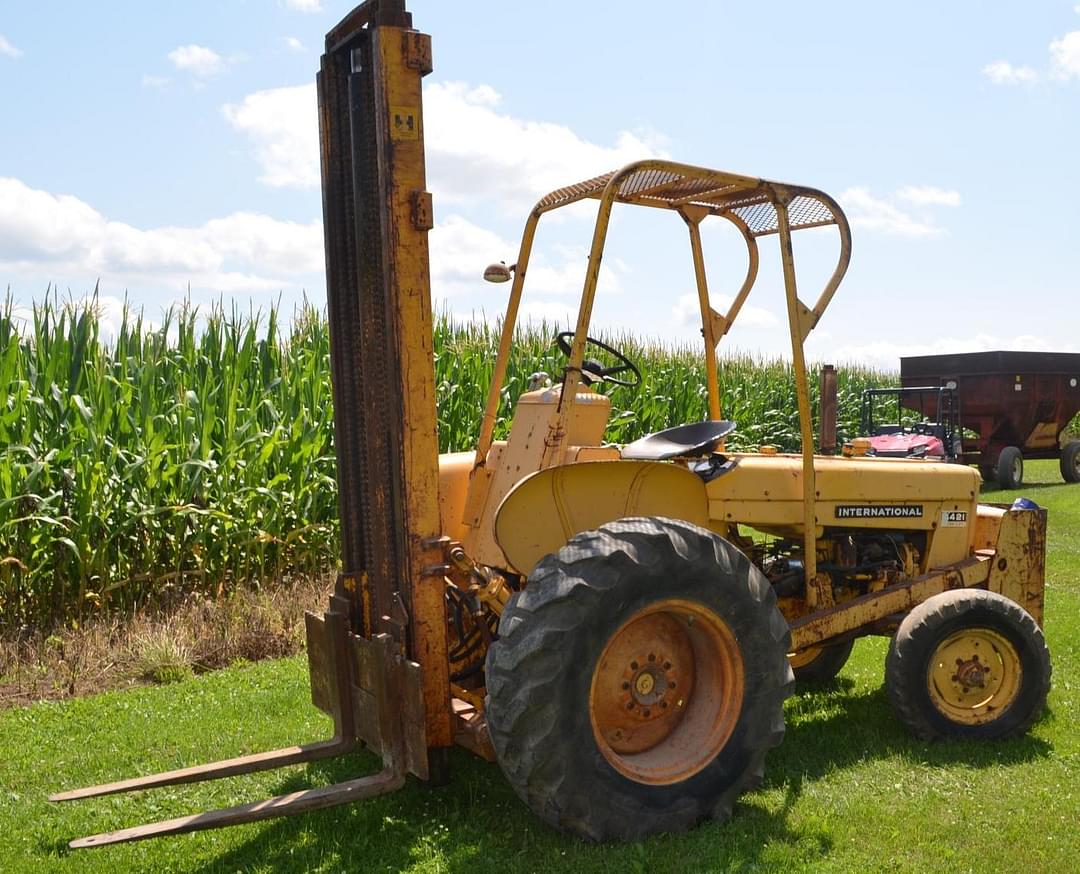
[(474, 152), (887, 353), (46, 234), (149, 81), (1064, 63), (687, 312), (283, 126), (460, 250), (928, 195), (201, 62), (43, 234), (8, 50), (553, 312), (1004, 73), (1065, 56), (864, 210), (304, 5), (293, 44)]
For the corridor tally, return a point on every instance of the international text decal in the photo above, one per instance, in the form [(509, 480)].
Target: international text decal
[(879, 511)]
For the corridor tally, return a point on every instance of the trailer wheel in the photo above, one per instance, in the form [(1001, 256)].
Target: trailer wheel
[(969, 664), (1010, 468), (820, 664), (638, 680), (1070, 462), (988, 472)]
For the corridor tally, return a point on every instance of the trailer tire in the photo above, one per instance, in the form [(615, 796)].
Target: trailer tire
[(988, 472), (1010, 468), (1070, 462), (590, 744), (820, 664), (936, 651)]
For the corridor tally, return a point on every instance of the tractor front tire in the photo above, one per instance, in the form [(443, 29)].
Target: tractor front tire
[(638, 680), (820, 664), (1010, 468), (968, 664), (1070, 462)]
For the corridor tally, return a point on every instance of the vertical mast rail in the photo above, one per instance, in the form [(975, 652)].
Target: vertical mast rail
[(802, 390), (708, 323)]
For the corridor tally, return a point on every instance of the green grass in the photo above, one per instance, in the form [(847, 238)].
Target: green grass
[(848, 790)]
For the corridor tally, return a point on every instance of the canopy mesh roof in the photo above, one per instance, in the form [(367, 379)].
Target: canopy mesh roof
[(751, 200)]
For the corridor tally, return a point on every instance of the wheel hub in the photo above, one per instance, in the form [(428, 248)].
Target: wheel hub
[(646, 718), (970, 673), (652, 678), (973, 675)]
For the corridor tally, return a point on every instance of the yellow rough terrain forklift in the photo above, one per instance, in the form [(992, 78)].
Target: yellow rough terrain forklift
[(617, 627)]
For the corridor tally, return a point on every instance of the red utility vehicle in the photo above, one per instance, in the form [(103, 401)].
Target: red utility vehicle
[(916, 422)]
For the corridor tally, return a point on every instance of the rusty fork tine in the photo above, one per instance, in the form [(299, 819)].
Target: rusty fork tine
[(387, 780), (215, 770)]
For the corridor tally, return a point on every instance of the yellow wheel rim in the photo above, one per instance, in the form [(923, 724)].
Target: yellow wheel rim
[(803, 657), (974, 676), (666, 692)]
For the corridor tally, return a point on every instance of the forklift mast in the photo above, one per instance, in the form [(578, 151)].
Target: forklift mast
[(376, 215)]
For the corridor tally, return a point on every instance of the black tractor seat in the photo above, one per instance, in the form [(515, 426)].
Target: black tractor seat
[(684, 441)]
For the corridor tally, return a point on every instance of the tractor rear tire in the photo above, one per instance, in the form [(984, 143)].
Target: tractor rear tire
[(988, 472), (820, 664), (1070, 462), (638, 680), (937, 683), (1010, 468)]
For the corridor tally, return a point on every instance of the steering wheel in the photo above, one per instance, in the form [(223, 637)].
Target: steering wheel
[(595, 368)]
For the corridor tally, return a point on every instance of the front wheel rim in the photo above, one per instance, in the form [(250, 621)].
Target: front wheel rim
[(666, 692), (974, 676)]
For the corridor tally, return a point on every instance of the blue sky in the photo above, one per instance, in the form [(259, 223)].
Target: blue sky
[(162, 147)]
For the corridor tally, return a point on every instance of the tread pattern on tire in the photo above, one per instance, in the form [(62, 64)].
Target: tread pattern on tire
[(924, 627), (549, 755)]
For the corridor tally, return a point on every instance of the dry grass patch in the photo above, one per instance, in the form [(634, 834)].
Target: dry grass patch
[(158, 645)]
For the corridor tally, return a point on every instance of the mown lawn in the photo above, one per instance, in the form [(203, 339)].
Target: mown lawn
[(847, 791)]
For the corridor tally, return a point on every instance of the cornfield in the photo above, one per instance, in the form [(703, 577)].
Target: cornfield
[(196, 454)]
